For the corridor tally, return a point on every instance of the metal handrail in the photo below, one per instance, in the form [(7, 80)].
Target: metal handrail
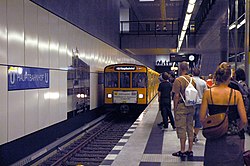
[(150, 27)]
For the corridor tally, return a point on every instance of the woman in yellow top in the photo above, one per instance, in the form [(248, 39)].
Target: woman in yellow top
[(228, 149)]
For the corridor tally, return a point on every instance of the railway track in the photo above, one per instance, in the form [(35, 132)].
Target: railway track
[(94, 145)]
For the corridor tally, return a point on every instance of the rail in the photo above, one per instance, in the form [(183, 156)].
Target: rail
[(150, 27)]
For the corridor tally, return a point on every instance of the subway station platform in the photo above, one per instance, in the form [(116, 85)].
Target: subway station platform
[(145, 144)]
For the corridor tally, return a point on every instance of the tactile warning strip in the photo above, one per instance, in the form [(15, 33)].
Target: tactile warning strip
[(115, 151), (159, 158)]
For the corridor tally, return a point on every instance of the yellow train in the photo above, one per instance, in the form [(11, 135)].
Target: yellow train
[(129, 85)]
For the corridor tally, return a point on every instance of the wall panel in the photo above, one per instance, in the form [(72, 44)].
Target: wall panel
[(62, 112), (3, 104), (62, 38), (16, 116), (93, 89), (43, 107), (54, 96), (31, 111), (43, 37), (53, 43), (15, 22), (69, 44), (31, 37), (3, 32)]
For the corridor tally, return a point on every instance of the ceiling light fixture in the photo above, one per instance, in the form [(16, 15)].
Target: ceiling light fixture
[(189, 12)]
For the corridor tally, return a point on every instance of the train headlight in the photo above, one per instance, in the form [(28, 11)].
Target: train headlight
[(140, 96), (109, 95)]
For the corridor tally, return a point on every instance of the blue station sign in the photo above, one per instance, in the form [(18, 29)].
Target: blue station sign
[(21, 78)]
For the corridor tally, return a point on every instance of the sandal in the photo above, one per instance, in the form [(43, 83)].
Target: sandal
[(179, 154), (189, 153)]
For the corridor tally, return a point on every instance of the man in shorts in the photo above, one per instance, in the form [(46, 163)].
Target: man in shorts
[(183, 114)]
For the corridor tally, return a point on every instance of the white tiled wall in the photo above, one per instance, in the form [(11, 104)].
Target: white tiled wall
[(31, 36)]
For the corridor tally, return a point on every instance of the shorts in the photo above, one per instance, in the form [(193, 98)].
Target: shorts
[(184, 120), (197, 122)]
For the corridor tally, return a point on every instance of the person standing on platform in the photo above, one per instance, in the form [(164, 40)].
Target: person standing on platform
[(201, 86), (183, 114), (164, 99), (209, 81), (228, 149)]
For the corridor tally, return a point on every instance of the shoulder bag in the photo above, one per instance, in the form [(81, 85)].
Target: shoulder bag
[(216, 125)]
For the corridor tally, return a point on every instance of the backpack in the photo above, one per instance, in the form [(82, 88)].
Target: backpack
[(245, 92), (191, 94)]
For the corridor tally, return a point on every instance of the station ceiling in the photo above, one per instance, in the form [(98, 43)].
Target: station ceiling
[(158, 10)]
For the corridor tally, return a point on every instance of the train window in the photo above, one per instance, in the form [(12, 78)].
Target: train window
[(111, 80), (125, 79), (139, 80)]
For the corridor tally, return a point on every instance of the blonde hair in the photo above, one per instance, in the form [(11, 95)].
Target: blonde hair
[(222, 73)]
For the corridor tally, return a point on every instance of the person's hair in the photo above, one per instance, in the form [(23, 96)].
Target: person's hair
[(171, 73), (222, 73), (210, 76), (196, 72), (165, 76), (240, 74), (184, 66)]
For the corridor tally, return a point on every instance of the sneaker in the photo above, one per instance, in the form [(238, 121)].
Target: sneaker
[(189, 153), (179, 154), (195, 139), (164, 128)]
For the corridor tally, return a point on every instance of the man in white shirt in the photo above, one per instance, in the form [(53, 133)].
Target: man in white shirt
[(201, 86)]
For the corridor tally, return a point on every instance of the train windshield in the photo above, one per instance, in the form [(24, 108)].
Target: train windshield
[(139, 80), (125, 79), (111, 80)]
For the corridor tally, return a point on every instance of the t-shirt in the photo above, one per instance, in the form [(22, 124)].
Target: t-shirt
[(201, 86), (180, 85), (165, 88)]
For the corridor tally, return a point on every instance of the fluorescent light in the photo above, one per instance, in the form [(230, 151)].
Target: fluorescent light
[(241, 23), (184, 28), (188, 17), (232, 26), (190, 8), (192, 1), (146, 0)]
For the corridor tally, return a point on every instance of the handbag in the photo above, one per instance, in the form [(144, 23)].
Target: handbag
[(246, 157), (216, 125)]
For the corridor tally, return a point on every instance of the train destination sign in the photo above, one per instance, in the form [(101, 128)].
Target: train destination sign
[(125, 68), (21, 78), (125, 97)]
